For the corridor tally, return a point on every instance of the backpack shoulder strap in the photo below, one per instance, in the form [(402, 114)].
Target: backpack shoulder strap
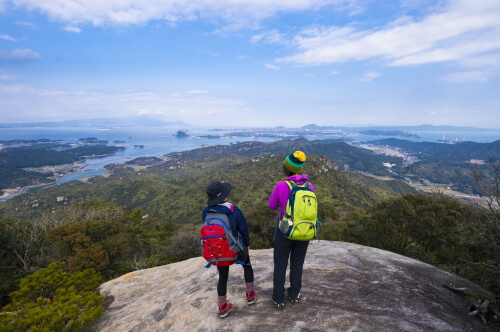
[(290, 183), (220, 217)]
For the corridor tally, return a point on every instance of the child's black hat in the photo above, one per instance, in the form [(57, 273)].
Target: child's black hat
[(217, 192)]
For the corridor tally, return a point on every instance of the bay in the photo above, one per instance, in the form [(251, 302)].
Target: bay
[(161, 141), (138, 142)]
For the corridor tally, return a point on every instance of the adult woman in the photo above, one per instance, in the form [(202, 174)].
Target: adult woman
[(285, 248)]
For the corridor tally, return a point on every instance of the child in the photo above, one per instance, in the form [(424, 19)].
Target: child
[(283, 247), (217, 200)]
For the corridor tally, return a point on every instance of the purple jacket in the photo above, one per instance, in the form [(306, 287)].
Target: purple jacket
[(280, 193)]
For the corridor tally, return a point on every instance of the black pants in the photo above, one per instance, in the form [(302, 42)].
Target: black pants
[(283, 249), (224, 275)]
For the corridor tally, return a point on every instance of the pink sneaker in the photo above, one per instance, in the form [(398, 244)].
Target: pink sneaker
[(225, 309), (252, 297)]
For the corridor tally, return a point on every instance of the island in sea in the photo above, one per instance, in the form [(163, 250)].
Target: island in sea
[(181, 134)]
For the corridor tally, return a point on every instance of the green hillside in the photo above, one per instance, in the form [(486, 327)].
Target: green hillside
[(175, 190), (344, 155), (445, 153), (449, 164)]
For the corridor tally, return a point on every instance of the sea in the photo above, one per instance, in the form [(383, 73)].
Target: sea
[(161, 141)]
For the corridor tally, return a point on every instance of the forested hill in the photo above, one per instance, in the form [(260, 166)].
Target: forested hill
[(445, 153), (344, 155), (450, 164), (175, 190)]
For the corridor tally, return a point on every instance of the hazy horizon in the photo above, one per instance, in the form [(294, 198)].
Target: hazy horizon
[(128, 122), (252, 63)]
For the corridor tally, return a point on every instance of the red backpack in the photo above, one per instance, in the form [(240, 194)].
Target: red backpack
[(218, 245)]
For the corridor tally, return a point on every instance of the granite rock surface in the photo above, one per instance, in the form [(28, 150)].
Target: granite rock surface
[(346, 287)]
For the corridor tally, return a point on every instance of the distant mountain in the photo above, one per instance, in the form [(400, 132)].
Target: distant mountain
[(142, 121), (423, 127), (316, 127)]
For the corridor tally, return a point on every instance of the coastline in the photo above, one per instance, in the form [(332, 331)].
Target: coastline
[(155, 146), (75, 168)]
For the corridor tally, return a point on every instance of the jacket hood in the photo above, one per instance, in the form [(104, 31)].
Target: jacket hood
[(221, 208), (298, 178)]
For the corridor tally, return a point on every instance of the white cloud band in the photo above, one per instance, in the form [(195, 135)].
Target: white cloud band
[(463, 30), (18, 55), (125, 12)]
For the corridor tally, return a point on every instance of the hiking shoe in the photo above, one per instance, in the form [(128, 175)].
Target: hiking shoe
[(225, 309), (279, 305), (252, 298), (295, 300)]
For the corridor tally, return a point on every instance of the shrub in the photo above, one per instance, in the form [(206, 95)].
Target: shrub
[(91, 244), (53, 300), (185, 244)]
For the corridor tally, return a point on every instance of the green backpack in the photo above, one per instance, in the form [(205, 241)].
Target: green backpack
[(301, 212)]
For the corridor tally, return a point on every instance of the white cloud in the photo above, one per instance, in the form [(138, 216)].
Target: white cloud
[(462, 50), (72, 29), (52, 93), (462, 30), (17, 103), (236, 14), (469, 76), (149, 112), (334, 72), (18, 55), (7, 77), (15, 90), (214, 54), (489, 60), (196, 92), (26, 24), (370, 76), (7, 37), (187, 93), (271, 66), (270, 37)]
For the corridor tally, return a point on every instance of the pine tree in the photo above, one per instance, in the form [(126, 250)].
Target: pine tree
[(54, 300)]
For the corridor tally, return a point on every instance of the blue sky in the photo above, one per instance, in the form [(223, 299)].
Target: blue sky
[(244, 63)]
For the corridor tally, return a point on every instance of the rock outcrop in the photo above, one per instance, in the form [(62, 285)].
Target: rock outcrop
[(346, 287), (181, 134)]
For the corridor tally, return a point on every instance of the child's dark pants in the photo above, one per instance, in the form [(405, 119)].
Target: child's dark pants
[(224, 275)]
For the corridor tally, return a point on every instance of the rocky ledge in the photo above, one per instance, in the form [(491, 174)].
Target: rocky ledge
[(346, 287)]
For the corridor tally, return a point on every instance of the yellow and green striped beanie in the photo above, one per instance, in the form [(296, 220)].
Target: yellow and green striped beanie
[(294, 161)]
